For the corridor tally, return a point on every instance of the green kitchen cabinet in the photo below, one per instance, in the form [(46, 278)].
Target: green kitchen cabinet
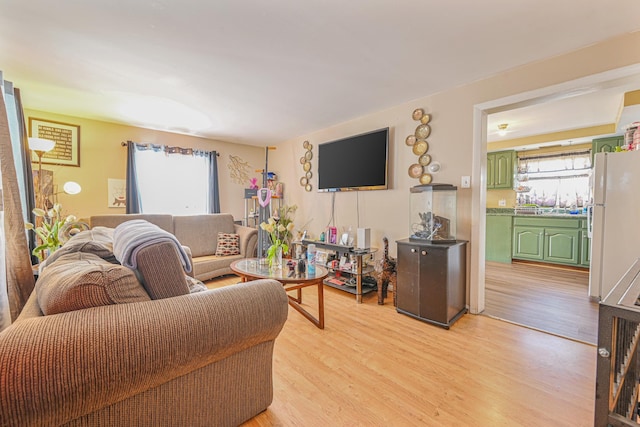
[(528, 242), (551, 239), (561, 245), (500, 169), (585, 246), (606, 145), (498, 238)]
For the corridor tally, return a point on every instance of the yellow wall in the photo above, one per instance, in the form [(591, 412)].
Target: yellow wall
[(102, 157)]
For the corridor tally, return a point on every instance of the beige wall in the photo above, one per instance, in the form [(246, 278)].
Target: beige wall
[(456, 141), (102, 157)]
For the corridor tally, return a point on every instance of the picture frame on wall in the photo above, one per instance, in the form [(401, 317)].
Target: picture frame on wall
[(67, 137)]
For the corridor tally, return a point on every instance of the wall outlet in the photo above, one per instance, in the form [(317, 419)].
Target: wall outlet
[(502, 202), (465, 182)]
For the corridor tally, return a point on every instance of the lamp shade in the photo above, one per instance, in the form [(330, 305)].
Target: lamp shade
[(41, 144), (71, 187)]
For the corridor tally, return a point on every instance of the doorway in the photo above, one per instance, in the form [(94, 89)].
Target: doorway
[(489, 278)]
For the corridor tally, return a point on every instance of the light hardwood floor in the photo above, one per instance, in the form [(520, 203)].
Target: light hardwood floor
[(545, 297), (371, 366)]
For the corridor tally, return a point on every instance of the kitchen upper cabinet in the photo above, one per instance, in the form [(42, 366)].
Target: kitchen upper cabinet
[(500, 169), (606, 145)]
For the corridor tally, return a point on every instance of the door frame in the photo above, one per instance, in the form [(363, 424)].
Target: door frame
[(609, 79)]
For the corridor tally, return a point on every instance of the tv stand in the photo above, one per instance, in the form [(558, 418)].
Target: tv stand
[(347, 276)]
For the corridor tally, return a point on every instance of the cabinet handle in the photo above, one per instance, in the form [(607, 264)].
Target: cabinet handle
[(424, 252), (413, 250)]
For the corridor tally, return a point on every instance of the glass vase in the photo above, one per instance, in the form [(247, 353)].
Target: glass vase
[(275, 258)]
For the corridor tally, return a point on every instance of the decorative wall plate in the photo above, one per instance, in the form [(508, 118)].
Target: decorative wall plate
[(424, 160), (303, 160), (415, 170), (303, 181), (308, 174), (308, 187), (423, 131), (425, 178), (308, 155), (425, 119), (306, 166), (305, 145), (420, 147), (411, 139), (417, 114)]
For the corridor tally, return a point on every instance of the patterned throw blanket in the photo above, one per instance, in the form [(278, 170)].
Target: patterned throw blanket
[(132, 236)]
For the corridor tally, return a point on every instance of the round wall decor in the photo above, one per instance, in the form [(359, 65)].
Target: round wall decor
[(423, 169), (305, 160)]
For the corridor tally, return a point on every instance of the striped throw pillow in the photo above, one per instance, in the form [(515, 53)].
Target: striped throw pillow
[(228, 244)]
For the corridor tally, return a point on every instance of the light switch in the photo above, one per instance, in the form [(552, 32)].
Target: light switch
[(466, 182)]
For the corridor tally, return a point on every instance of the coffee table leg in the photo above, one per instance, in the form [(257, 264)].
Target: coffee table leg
[(319, 321)]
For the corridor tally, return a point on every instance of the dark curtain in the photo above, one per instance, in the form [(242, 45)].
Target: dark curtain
[(19, 275), (27, 174), (134, 205), (214, 193)]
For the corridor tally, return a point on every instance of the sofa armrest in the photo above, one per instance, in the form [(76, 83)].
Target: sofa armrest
[(57, 368), (248, 240)]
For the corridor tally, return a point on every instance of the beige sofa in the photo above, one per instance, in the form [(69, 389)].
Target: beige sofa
[(91, 347), (200, 234)]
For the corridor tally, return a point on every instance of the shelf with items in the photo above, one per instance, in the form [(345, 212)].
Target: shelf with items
[(358, 270), (252, 210)]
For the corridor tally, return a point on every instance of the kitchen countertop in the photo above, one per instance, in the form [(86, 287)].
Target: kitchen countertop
[(510, 212)]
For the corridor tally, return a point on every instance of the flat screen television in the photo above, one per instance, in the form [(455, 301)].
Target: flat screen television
[(358, 162)]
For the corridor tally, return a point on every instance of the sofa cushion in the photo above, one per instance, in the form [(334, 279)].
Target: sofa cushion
[(97, 241), (200, 232), (82, 280), (228, 244)]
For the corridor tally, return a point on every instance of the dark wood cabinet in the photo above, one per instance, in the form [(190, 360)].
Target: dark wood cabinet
[(432, 281)]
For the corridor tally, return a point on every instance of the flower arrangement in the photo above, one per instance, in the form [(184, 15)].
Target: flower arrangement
[(280, 229), (48, 231)]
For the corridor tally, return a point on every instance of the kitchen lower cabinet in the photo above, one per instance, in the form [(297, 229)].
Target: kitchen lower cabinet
[(431, 281), (528, 243), (498, 238), (561, 245), (554, 240), (585, 245)]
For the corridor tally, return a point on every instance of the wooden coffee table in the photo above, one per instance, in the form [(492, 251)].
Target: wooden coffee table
[(250, 269)]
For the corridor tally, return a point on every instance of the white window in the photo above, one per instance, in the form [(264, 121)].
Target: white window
[(172, 183), (558, 180)]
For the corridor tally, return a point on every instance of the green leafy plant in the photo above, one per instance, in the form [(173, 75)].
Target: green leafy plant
[(280, 229), (49, 224)]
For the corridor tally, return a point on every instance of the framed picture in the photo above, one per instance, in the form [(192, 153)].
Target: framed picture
[(67, 137), (321, 258), (116, 193)]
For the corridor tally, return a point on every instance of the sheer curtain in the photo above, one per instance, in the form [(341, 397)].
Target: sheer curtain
[(16, 281), (172, 180)]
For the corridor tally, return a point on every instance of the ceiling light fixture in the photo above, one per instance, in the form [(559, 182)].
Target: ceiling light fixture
[(502, 129)]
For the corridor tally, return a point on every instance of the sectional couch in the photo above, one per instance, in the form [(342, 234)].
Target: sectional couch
[(99, 343), (200, 234)]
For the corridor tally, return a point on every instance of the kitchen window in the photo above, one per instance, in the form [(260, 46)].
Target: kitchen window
[(558, 180)]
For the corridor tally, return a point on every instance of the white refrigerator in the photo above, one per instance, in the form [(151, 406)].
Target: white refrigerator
[(614, 223)]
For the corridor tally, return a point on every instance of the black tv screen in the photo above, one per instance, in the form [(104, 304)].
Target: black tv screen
[(355, 163)]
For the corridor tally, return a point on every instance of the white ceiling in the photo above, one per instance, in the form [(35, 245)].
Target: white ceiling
[(260, 72)]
